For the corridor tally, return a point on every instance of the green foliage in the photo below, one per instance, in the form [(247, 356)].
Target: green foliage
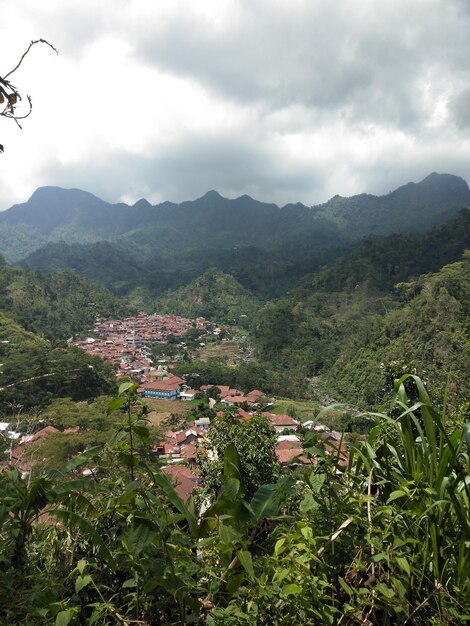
[(255, 440), (56, 306), (34, 372), (345, 335), (246, 377), (214, 295), (384, 540)]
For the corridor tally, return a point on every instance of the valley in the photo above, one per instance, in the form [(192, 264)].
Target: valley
[(256, 364)]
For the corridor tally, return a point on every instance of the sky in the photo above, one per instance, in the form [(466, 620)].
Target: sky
[(283, 100)]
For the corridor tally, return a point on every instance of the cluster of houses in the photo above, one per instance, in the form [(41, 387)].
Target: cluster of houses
[(164, 385), (181, 450), (126, 343)]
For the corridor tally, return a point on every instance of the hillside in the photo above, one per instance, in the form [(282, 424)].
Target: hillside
[(56, 306), (33, 371), (213, 295), (168, 245), (428, 334), (341, 314)]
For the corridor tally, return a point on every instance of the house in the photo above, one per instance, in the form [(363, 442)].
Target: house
[(291, 453), (203, 423), (281, 422), (167, 388), (184, 479), (235, 400), (187, 395), (255, 395)]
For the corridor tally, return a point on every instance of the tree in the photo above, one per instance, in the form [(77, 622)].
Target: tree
[(255, 441), (10, 96)]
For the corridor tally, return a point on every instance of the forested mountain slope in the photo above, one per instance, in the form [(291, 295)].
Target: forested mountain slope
[(33, 371), (267, 249), (342, 314), (56, 306), (214, 295)]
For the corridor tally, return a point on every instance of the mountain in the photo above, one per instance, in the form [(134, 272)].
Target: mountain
[(214, 295), (415, 207), (267, 249), (53, 214), (344, 315)]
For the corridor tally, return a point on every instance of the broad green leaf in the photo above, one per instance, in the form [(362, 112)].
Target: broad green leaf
[(266, 501), (278, 547), (395, 495), (291, 590), (308, 503), (63, 618), (165, 485), (403, 564), (247, 562), (115, 404), (81, 459), (125, 387), (140, 535), (82, 581)]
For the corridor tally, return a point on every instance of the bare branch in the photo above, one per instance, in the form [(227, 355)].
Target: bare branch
[(26, 52)]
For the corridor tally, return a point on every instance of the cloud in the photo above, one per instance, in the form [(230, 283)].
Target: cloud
[(284, 101)]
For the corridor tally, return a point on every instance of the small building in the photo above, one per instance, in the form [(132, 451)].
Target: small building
[(167, 388), (187, 395), (281, 422)]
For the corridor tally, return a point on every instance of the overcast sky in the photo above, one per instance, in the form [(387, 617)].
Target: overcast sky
[(285, 100)]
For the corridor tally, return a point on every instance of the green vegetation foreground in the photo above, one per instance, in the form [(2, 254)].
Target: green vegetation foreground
[(384, 541)]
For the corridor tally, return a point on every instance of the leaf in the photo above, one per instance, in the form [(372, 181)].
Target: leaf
[(345, 586), (165, 485), (131, 582), (80, 459), (395, 495), (115, 404), (232, 466), (245, 559), (82, 581), (267, 499), (308, 503), (387, 592), (63, 618), (125, 387), (140, 535), (278, 547), (316, 481), (291, 590), (403, 564)]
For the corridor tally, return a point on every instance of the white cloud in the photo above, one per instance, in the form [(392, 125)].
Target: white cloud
[(285, 101)]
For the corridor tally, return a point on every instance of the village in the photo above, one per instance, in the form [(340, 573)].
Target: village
[(126, 344)]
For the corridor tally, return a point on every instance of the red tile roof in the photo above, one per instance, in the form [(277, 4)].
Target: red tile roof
[(183, 478)]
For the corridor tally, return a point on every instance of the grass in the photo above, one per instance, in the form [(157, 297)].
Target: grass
[(162, 409), (301, 410), (229, 350)]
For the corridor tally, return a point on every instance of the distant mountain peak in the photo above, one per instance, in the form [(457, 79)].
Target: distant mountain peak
[(141, 204), (211, 195), (51, 192)]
